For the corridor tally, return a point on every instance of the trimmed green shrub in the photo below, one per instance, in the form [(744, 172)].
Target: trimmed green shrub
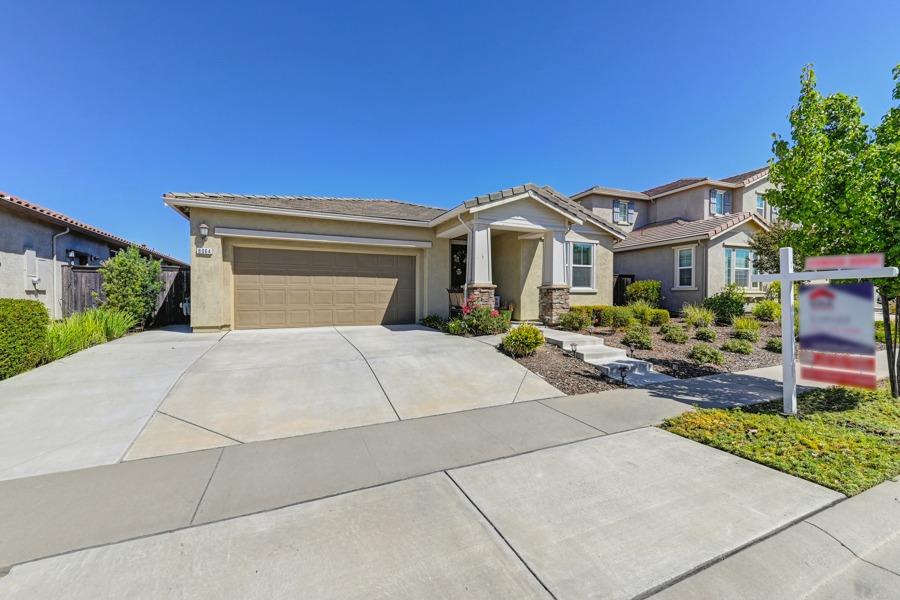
[(131, 284), (773, 344), (574, 320), (641, 311), (523, 340), (457, 327), (649, 291), (659, 316), (773, 292), (745, 328), (638, 336), (666, 327), (705, 334), (434, 321), (737, 346), (767, 310), (675, 335), (727, 304), (616, 317), (706, 355), (698, 316), (23, 335), (85, 329)]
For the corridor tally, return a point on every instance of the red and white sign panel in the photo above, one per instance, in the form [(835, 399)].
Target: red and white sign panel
[(849, 378), (847, 261), (847, 362)]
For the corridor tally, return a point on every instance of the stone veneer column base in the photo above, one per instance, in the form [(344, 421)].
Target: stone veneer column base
[(482, 294), (553, 300)]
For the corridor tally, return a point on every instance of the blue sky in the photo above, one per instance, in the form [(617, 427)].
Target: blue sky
[(107, 105)]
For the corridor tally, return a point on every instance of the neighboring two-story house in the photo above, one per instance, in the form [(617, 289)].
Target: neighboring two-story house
[(35, 243), (691, 234)]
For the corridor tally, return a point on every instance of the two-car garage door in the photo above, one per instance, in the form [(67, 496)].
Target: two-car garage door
[(305, 288)]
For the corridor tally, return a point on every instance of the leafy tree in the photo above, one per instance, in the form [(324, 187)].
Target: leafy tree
[(838, 181), (766, 246), (131, 284)]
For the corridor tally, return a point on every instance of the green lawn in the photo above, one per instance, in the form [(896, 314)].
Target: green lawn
[(847, 440)]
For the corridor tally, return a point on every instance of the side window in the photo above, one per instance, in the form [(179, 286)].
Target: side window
[(623, 212), (684, 267), (761, 205), (738, 266), (719, 202), (582, 266)]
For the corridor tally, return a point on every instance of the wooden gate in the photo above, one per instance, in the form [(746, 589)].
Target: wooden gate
[(82, 289)]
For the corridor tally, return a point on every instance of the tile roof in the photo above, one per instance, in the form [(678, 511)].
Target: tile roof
[(552, 197), (360, 207), (678, 229), (47, 214), (748, 176), (674, 185), (608, 191)]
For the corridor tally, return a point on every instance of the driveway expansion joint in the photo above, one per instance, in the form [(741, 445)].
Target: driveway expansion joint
[(206, 487), (224, 435), (579, 420), (375, 375), (500, 534), (850, 550)]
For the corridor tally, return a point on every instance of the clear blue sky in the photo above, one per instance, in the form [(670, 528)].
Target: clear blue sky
[(107, 105)]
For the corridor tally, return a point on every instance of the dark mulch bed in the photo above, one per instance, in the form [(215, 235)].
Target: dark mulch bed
[(564, 372), (672, 359)]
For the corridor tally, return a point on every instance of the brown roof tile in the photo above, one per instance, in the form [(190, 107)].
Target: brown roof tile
[(674, 185), (47, 214), (748, 176), (678, 229), (360, 207)]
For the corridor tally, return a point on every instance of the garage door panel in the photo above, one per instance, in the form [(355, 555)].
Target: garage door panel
[(302, 288)]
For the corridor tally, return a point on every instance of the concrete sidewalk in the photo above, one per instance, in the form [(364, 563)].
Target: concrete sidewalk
[(849, 551), (617, 515)]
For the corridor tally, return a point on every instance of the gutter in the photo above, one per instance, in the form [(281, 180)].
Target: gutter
[(56, 303)]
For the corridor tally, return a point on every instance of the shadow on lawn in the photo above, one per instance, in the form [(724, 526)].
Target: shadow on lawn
[(837, 399)]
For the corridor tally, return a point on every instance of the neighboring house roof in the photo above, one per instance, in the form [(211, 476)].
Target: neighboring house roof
[(678, 230), (674, 185), (749, 176), (360, 207), (46, 214), (738, 180), (549, 196), (608, 191)]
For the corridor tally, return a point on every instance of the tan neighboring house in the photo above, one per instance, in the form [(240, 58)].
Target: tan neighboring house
[(691, 234), (300, 261), (35, 243)]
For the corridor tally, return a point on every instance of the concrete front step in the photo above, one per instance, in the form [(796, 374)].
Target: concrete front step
[(599, 354)]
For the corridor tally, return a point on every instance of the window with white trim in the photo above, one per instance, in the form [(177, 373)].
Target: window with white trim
[(739, 264), (684, 267), (581, 266), (719, 202), (761, 205)]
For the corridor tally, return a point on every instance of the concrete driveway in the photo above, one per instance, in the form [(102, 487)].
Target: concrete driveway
[(165, 392)]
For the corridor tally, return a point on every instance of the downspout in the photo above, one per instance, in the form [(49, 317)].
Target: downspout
[(56, 302), (468, 257)]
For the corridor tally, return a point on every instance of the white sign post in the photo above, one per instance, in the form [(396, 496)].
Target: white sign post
[(787, 277)]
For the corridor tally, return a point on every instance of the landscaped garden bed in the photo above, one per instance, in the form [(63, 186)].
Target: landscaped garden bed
[(566, 373), (844, 439)]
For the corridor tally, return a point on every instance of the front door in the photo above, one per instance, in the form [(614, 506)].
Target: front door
[(457, 266)]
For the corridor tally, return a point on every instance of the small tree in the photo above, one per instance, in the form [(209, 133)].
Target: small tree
[(131, 283), (839, 182)]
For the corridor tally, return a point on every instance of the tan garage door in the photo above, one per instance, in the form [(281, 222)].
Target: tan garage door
[(303, 288)]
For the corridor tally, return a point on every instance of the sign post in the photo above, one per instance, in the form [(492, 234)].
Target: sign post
[(787, 277)]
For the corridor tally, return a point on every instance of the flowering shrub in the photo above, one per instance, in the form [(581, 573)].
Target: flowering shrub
[(478, 320), (523, 340)]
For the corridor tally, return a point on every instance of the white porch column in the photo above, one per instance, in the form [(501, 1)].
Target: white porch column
[(480, 254), (554, 258)]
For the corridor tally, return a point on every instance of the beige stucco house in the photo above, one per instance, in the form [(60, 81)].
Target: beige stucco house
[(691, 234), (297, 261), (35, 244)]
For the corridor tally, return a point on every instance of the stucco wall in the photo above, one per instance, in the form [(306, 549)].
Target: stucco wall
[(747, 196), (659, 263), (602, 206), (211, 276), (506, 267), (18, 232), (690, 205)]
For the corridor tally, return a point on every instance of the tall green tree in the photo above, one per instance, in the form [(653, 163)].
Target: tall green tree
[(838, 181)]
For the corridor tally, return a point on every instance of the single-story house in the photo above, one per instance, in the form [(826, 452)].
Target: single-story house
[(36, 242), (692, 234), (299, 261)]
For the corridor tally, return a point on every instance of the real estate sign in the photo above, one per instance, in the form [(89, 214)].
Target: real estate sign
[(837, 334)]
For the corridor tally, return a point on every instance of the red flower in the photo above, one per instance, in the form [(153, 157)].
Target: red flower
[(495, 313)]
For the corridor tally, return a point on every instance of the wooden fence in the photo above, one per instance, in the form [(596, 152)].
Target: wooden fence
[(81, 290)]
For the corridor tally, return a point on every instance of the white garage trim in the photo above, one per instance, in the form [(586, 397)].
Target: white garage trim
[(315, 237)]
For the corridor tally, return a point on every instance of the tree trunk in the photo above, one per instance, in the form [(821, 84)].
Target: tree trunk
[(891, 336)]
